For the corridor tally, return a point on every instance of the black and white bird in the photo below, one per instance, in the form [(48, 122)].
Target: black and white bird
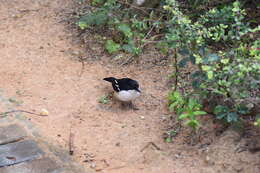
[(126, 89)]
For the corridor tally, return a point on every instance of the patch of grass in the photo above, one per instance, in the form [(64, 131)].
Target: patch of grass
[(104, 99), (15, 101)]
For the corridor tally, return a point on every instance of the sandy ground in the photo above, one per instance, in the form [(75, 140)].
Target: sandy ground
[(40, 70)]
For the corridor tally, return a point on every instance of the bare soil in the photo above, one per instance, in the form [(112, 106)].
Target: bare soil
[(40, 69)]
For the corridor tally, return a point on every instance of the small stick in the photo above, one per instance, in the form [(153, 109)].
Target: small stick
[(254, 150), (118, 167), (148, 144), (105, 161), (13, 111), (145, 146), (82, 65), (12, 141), (71, 142), (155, 146)]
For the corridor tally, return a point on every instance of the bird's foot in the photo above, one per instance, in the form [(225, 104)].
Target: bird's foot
[(129, 105), (133, 106)]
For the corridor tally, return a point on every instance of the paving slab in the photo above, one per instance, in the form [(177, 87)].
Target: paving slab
[(13, 153), (43, 165), (11, 133), (24, 153)]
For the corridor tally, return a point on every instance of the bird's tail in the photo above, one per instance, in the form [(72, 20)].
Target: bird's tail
[(110, 79)]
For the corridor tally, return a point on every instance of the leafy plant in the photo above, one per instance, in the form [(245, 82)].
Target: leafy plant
[(170, 135), (223, 112), (97, 18), (104, 99), (191, 111), (106, 15), (176, 102), (185, 108), (231, 75), (111, 46), (213, 37)]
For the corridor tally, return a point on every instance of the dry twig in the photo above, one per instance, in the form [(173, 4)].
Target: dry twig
[(150, 143), (13, 111), (71, 142)]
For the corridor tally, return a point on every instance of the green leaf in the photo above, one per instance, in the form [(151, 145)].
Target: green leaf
[(199, 113), (130, 48), (242, 109), (177, 95), (179, 110), (184, 52), (111, 46), (218, 109), (173, 133), (195, 84), (196, 74), (168, 140), (210, 74), (183, 62), (98, 18), (205, 68), (163, 47), (173, 96), (82, 25), (221, 115), (192, 103), (192, 59), (125, 29), (224, 60), (257, 122), (192, 123), (97, 2), (213, 57), (182, 116), (173, 106), (232, 117), (103, 99)]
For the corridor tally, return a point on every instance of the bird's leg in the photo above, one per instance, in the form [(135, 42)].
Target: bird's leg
[(124, 105), (132, 106), (129, 105)]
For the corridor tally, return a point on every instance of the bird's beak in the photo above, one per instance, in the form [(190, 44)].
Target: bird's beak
[(137, 89)]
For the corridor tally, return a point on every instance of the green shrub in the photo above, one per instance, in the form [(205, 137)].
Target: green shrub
[(215, 39), (185, 108), (232, 74)]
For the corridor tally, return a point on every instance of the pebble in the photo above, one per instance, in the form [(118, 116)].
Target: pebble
[(93, 165), (44, 112)]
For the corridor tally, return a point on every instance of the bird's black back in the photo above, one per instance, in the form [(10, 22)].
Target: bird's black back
[(123, 84)]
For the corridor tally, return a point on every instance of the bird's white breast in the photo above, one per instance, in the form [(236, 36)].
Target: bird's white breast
[(127, 96)]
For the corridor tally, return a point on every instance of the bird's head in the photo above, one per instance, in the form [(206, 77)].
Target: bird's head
[(134, 84), (110, 79)]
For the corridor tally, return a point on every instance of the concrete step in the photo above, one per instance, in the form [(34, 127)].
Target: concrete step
[(21, 152), (17, 152)]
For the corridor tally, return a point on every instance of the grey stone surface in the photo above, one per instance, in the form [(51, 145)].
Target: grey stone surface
[(18, 155), (44, 165), (11, 133), (17, 152)]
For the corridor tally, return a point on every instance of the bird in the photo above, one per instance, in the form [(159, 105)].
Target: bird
[(126, 89)]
